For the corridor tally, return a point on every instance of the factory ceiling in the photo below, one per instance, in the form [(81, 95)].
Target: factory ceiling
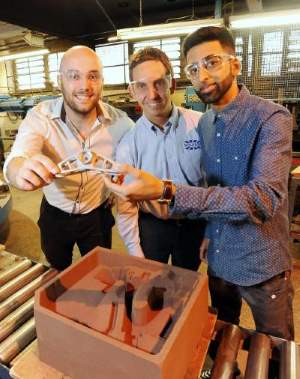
[(92, 21)]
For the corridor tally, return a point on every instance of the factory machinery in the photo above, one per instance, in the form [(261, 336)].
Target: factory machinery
[(21, 105), (19, 278)]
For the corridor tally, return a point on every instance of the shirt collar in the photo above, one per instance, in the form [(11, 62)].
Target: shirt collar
[(172, 120), (59, 111), (230, 111)]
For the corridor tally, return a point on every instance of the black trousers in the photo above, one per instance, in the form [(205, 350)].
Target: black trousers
[(180, 239), (60, 231)]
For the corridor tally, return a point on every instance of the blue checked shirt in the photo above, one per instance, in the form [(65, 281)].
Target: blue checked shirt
[(246, 154)]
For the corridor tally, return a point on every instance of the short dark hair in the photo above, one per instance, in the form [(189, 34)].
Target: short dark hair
[(207, 34), (149, 54)]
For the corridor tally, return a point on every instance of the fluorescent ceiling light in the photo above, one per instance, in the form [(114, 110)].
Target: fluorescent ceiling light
[(164, 30), (23, 55), (291, 16)]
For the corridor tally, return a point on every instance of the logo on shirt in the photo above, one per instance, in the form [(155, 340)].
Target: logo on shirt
[(192, 144)]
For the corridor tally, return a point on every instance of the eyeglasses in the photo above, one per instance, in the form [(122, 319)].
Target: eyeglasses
[(141, 87), (211, 63), (75, 76)]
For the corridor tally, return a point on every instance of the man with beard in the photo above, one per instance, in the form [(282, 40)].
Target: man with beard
[(74, 208), (246, 154), (165, 142)]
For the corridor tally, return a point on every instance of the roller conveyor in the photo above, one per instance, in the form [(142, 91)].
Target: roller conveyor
[(266, 356), (20, 278)]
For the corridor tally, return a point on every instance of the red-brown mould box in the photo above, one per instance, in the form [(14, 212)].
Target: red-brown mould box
[(81, 352)]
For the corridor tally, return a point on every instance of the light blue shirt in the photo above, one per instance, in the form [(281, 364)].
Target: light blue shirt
[(169, 153)]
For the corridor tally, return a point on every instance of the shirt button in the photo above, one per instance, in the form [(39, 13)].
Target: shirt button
[(217, 251), (218, 134), (218, 160), (217, 230), (235, 158)]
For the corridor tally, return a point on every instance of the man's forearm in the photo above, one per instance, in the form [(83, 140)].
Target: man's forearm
[(127, 223)]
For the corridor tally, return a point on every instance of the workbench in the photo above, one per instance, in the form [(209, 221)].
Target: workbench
[(20, 277)]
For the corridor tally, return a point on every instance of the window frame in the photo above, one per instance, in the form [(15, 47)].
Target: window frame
[(181, 81), (48, 88)]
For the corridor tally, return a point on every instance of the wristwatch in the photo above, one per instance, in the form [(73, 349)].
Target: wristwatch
[(167, 193)]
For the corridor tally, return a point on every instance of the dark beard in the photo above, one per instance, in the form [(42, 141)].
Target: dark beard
[(220, 90)]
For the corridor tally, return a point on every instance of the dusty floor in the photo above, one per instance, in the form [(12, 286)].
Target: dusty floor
[(23, 240)]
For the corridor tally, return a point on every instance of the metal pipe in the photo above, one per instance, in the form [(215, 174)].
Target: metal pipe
[(225, 362), (16, 318), (17, 341), (18, 298), (289, 360), (258, 357), (14, 270), (20, 281)]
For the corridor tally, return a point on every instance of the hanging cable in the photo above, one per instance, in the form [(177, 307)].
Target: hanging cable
[(141, 13), (188, 17), (106, 14), (193, 10)]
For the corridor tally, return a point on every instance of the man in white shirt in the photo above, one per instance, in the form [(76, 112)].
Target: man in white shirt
[(74, 208), (165, 143)]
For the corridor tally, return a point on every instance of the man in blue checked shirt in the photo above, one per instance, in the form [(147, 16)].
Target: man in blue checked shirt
[(164, 142), (246, 154)]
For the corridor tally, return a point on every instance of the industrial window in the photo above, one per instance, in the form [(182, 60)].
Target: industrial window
[(271, 61), (239, 49), (53, 67), (171, 46), (30, 73), (250, 56), (272, 54), (243, 48), (293, 55), (114, 58)]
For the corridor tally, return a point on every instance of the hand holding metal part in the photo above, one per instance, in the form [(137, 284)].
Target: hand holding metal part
[(88, 160)]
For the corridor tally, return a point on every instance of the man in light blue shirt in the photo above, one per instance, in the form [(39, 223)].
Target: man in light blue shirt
[(164, 142), (246, 153)]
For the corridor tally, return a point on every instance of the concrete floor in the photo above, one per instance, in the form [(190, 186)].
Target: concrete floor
[(23, 239)]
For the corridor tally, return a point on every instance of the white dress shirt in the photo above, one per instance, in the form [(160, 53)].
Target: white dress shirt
[(45, 130)]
